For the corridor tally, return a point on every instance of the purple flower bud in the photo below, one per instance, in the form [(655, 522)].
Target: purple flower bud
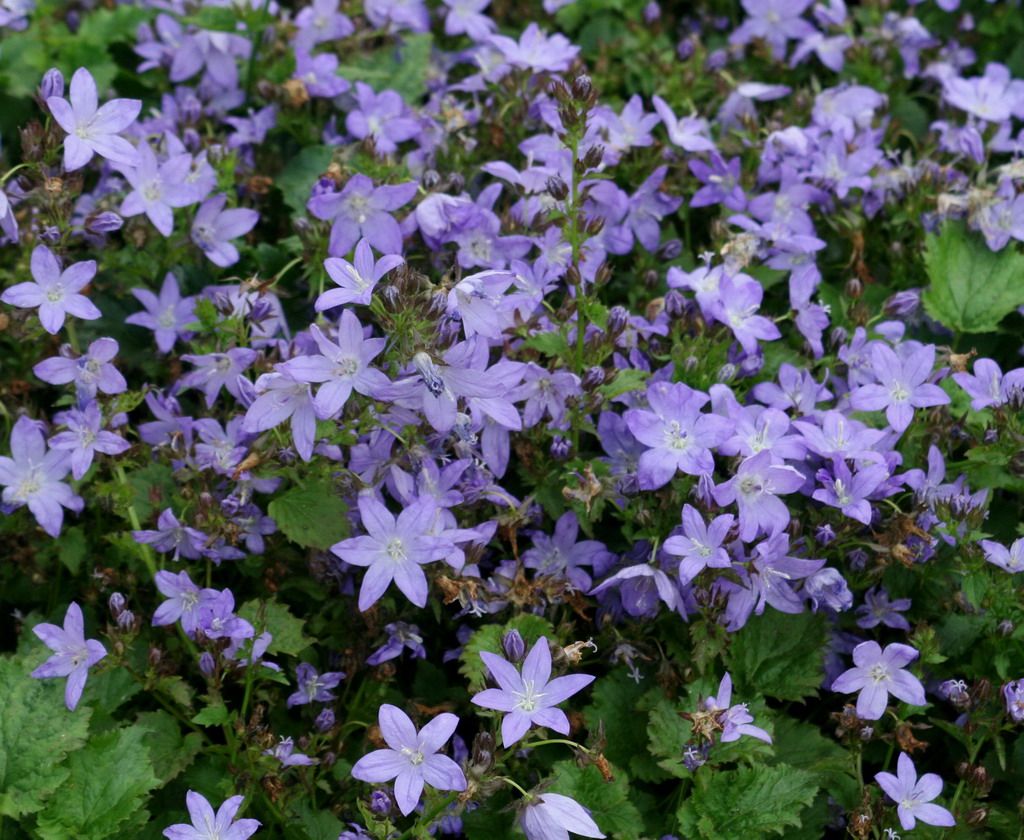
[(618, 318), (116, 603), (561, 448), (1013, 694), (380, 802), (726, 373), (52, 84), (105, 222), (671, 249), (827, 588), (695, 756), (903, 304), (324, 721), (514, 646), (675, 304), (652, 11), (51, 233), (824, 534), (125, 619), (858, 559), (685, 49), (593, 378), (207, 664)]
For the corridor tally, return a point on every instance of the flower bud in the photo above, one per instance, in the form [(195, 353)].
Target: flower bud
[(561, 448), (104, 222), (126, 619), (593, 378), (482, 754), (652, 11), (431, 179), (324, 721), (903, 304), (670, 249), (116, 603), (557, 188), (513, 645), (207, 664), (52, 84), (582, 87), (380, 802), (618, 318), (675, 304)]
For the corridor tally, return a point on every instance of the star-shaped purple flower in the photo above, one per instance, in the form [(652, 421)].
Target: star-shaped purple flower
[(73, 654), (55, 292), (206, 825), (878, 673)]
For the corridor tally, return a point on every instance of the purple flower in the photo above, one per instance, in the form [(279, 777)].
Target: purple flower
[(34, 477), (775, 22), (342, 368), (362, 210), (73, 655), (157, 188), (850, 491), (688, 133), (739, 298), (901, 384), (167, 315), (358, 278), (92, 129), (641, 587), (913, 796), (1013, 695), (319, 74), (528, 698), (85, 437), (412, 759), (209, 826), (551, 816), (313, 687), (878, 673), (54, 292), (987, 386), (994, 97), (401, 636), (319, 22), (678, 434), (545, 392), (214, 227), (1008, 559), (183, 603), (393, 550), (700, 545), (285, 753), (735, 719), (171, 535), (383, 117), (560, 554), (480, 302), (878, 609), (218, 370), (464, 17), (282, 396), (536, 51), (91, 373), (755, 489)]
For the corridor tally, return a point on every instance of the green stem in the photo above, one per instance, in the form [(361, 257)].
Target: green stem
[(565, 741), (513, 783), (133, 517), (255, 38), (431, 815)]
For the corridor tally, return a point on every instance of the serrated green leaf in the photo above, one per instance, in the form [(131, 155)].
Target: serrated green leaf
[(972, 288), (779, 655), (402, 68), (803, 747), (36, 733), (488, 638), (314, 825), (277, 619), (548, 343), (626, 380), (213, 715), (107, 786), (300, 174), (73, 548), (749, 802), (615, 704), (311, 515), (169, 752), (607, 801)]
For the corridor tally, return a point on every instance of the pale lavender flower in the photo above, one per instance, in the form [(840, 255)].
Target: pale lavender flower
[(878, 609), (85, 437), (319, 74), (342, 368), (1013, 695), (1008, 559), (735, 719), (157, 188), (480, 302), (54, 291), (700, 545), (283, 397), (214, 227), (531, 697), (551, 816), (34, 477), (394, 550), (850, 491), (993, 97), (775, 22), (412, 758), (401, 636), (739, 298), (91, 372), (209, 826), (878, 673), (320, 22), (913, 796), (184, 600), (171, 535), (902, 384), (383, 117), (92, 129), (356, 279), (362, 210), (545, 392), (285, 753), (73, 654), (218, 370), (313, 687), (464, 17), (679, 436), (755, 488), (536, 51), (167, 315), (641, 587), (688, 133), (988, 387), (562, 555)]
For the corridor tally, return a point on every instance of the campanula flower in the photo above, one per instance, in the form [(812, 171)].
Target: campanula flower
[(54, 291), (73, 654), (876, 674), (913, 796)]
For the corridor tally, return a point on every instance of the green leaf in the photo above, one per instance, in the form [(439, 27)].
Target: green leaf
[(213, 715), (36, 733), (548, 343), (297, 178), (277, 620), (627, 379), (488, 638), (608, 802), (779, 655), (311, 515), (108, 785), (615, 705), (73, 548), (315, 825), (972, 288), (802, 746), (749, 802), (169, 752), (402, 68)]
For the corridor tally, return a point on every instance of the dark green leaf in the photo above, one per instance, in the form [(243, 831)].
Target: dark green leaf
[(311, 515), (779, 655)]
